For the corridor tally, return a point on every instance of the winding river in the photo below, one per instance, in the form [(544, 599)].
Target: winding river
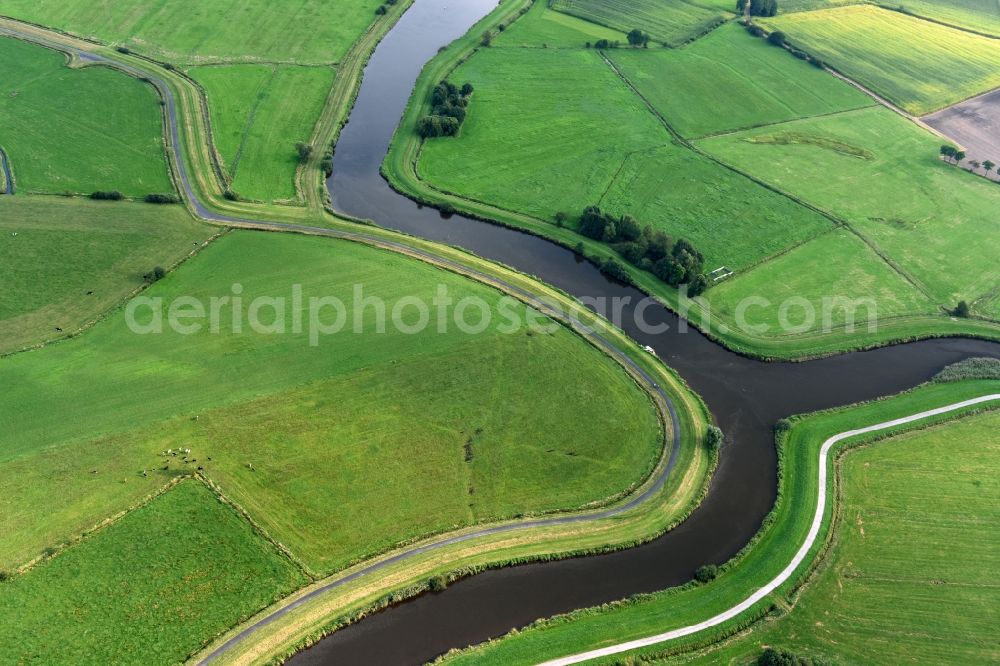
[(745, 396)]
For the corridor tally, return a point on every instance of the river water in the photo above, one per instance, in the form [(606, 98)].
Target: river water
[(745, 396)]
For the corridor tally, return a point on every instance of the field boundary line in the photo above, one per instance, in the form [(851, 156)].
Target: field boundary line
[(797, 559)]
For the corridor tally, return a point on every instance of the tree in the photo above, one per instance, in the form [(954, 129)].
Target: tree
[(637, 37), (487, 39), (975, 165), (988, 166), (948, 151), (959, 156), (467, 89), (713, 438), (777, 38), (304, 150), (156, 274), (961, 310), (561, 218), (758, 7), (706, 573)]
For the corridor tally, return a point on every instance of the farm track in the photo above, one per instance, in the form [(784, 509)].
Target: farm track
[(797, 559)]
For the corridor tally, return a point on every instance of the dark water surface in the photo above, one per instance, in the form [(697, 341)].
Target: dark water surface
[(746, 396)]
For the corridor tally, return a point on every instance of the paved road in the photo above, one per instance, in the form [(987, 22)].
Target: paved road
[(787, 572), (670, 453)]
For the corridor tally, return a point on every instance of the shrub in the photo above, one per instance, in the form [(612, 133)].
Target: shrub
[(380, 10), (637, 37), (961, 310), (713, 438), (230, 195), (304, 151), (782, 426), (777, 38), (156, 274), (122, 49), (161, 198), (437, 584), (970, 368), (780, 657), (5, 575), (706, 573), (616, 270), (107, 195)]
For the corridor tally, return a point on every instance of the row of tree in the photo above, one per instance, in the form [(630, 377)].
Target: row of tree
[(674, 262), (448, 112), (758, 7)]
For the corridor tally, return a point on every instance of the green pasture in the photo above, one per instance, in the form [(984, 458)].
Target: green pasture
[(786, 528), (547, 130), (919, 65), (729, 80), (78, 130), (829, 281), (910, 576), (542, 26), (733, 221), (977, 15), (259, 113), (65, 261), (339, 450), (672, 22), (304, 31), (882, 174), (153, 587)]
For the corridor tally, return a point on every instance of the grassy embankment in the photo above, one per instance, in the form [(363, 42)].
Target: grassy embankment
[(910, 572), (920, 65), (73, 130), (153, 586), (428, 461), (524, 203), (769, 552)]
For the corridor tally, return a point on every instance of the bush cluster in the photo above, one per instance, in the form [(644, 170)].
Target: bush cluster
[(157, 198), (780, 657), (674, 262), (759, 7), (107, 195), (384, 8), (448, 113)]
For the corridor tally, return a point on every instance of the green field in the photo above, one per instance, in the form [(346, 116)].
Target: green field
[(910, 577), (193, 30), (426, 458), (978, 15), (671, 22), (938, 225), (154, 586), (919, 65), (599, 144), (747, 81), (542, 26), (829, 272), (787, 526), (731, 220), (259, 113), (78, 130), (547, 130), (72, 259)]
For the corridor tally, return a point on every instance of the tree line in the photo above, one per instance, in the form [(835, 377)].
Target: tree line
[(676, 262), (448, 111)]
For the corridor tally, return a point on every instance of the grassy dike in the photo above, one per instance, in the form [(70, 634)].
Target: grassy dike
[(771, 549), (400, 168)]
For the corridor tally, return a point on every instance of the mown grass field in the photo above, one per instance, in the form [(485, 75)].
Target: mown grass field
[(192, 30), (78, 130), (978, 15), (366, 440), (919, 65), (830, 272), (259, 113), (671, 22), (939, 222), (733, 221), (71, 260), (152, 587), (599, 144), (782, 535), (542, 26), (911, 575), (547, 130), (729, 80)]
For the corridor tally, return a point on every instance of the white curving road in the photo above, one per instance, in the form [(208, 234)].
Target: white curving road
[(787, 572)]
